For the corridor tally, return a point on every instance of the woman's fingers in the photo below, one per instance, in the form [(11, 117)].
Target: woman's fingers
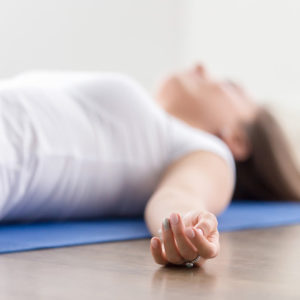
[(185, 247), (206, 248), (180, 244), (171, 252), (177, 247), (207, 223), (156, 250), (207, 235)]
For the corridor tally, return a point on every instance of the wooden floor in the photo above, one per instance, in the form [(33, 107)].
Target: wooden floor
[(256, 264)]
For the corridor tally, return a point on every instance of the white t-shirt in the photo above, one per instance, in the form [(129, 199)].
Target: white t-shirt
[(84, 144)]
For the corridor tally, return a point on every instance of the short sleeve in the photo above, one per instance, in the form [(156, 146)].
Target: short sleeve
[(184, 139)]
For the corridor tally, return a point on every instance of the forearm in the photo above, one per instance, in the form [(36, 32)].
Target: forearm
[(201, 182)]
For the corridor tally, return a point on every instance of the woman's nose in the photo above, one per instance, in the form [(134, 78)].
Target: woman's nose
[(201, 70)]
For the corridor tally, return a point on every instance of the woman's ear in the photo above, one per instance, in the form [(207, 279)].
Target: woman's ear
[(238, 142)]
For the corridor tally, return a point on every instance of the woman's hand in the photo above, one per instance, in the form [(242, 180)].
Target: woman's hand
[(183, 239)]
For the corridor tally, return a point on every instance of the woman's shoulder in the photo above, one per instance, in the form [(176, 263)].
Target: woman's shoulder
[(185, 139)]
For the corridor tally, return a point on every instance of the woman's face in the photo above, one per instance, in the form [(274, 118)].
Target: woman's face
[(219, 107)]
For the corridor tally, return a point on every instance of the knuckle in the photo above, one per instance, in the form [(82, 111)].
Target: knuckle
[(214, 220), (211, 216), (217, 236), (205, 226), (211, 220), (212, 252), (205, 222)]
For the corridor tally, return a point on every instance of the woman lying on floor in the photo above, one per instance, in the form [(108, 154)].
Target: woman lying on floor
[(90, 145)]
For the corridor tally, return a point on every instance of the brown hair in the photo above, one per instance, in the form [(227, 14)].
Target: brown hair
[(270, 173)]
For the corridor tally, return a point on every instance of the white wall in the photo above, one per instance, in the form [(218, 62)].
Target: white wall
[(139, 37), (255, 41)]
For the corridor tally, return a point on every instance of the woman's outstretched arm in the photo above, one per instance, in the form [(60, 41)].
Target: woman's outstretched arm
[(183, 207)]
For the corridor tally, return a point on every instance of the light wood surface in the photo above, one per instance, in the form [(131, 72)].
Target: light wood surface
[(254, 264)]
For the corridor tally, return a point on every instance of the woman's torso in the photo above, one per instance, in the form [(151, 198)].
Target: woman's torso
[(79, 145)]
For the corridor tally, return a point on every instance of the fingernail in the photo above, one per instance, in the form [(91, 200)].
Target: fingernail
[(174, 219), (190, 233), (166, 224), (154, 243), (200, 231)]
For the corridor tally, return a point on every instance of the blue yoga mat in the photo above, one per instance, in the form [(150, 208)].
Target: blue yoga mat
[(240, 215)]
